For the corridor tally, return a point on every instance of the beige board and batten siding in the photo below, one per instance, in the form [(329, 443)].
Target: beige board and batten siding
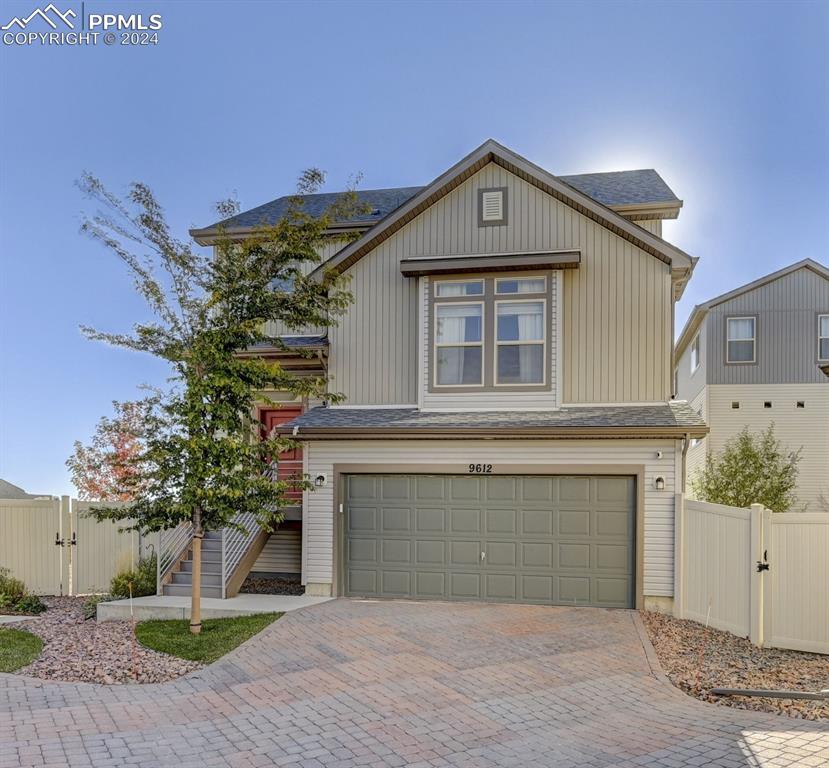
[(616, 332), (654, 226), (658, 535), (507, 399), (806, 428)]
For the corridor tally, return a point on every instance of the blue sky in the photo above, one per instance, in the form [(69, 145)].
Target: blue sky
[(728, 101)]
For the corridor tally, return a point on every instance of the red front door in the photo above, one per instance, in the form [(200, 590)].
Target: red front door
[(289, 462)]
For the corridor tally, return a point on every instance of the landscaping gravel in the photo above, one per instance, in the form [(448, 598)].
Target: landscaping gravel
[(698, 659), (76, 650), (272, 585)]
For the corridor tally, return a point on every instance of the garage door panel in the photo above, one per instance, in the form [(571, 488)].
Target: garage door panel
[(465, 520), (574, 489), (396, 519), (465, 553), (536, 554), (465, 585), (395, 487), (362, 519), (502, 586), (396, 551), (574, 556), (537, 489), (430, 584), (501, 488), (536, 522), (430, 552), (362, 550), (611, 557), (501, 553), (538, 588), (548, 540), (430, 520), (502, 521), (574, 522), (464, 489)]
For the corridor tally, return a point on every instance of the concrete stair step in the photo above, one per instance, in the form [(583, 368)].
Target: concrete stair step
[(183, 590), (207, 579)]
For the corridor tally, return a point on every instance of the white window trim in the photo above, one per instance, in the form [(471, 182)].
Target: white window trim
[(821, 338), (438, 345), (542, 342), (473, 296), (695, 343), (542, 292), (753, 339)]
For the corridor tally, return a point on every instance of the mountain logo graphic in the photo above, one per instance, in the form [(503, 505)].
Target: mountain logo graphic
[(46, 15)]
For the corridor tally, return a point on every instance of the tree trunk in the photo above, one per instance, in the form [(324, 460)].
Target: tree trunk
[(195, 590)]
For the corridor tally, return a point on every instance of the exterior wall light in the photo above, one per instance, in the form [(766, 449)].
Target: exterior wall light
[(321, 480), (660, 483)]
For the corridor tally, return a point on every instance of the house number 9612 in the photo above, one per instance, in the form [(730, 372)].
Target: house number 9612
[(480, 469)]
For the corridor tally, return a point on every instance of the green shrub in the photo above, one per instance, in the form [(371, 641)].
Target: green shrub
[(15, 598), (11, 587), (90, 605), (143, 580)]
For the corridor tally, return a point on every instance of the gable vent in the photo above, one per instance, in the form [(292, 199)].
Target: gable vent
[(493, 206)]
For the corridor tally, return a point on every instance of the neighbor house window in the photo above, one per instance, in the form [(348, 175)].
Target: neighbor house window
[(823, 337), (520, 340), (459, 344), (741, 340), (695, 353)]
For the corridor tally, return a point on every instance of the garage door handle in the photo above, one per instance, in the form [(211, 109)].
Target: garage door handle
[(483, 555)]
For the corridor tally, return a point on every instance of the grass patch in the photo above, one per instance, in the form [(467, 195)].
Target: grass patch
[(218, 636), (18, 648)]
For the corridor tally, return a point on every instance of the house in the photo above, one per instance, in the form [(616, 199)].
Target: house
[(752, 357), (509, 431), (11, 491)]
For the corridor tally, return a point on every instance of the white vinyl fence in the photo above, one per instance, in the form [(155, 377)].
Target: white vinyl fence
[(56, 548), (754, 573)]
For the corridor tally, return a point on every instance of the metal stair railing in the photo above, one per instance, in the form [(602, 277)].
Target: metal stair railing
[(172, 543)]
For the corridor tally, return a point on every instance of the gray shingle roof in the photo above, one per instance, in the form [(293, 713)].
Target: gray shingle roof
[(296, 342), (616, 188), (672, 416)]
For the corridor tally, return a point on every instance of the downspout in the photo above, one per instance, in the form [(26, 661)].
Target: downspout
[(686, 441)]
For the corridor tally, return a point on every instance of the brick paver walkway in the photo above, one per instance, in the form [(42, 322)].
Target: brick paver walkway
[(351, 683)]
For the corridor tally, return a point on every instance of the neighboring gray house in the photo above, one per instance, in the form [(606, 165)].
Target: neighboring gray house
[(10, 491), (508, 431), (753, 357)]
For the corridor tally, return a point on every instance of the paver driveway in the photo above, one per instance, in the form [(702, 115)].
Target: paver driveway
[(402, 683)]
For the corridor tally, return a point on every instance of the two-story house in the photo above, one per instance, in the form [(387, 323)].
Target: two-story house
[(509, 431), (752, 357)]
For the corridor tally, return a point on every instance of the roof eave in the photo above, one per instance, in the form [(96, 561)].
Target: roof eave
[(486, 433), (212, 235), (649, 211)]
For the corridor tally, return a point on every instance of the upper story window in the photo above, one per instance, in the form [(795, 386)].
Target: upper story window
[(459, 344), (741, 340), (459, 288), (695, 350), (520, 341), (490, 333), (823, 337)]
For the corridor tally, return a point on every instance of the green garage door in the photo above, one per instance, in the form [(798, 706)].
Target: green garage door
[(530, 539)]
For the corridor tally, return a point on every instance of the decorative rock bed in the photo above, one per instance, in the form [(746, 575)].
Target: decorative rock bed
[(78, 650), (272, 585), (698, 659)]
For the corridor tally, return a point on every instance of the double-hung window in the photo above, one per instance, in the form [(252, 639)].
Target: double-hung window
[(695, 349), (490, 332), (823, 337), (459, 344), (741, 340), (519, 341)]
